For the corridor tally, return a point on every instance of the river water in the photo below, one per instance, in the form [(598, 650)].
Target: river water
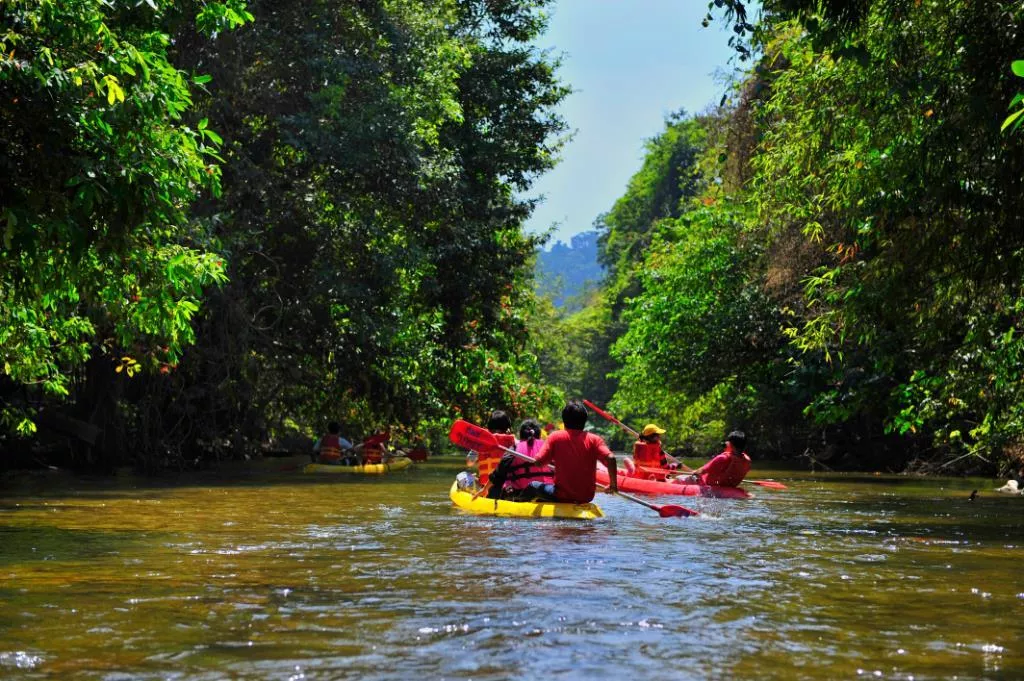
[(260, 573)]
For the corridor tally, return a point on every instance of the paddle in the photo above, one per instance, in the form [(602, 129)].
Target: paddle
[(468, 436), (611, 418), (768, 484), (629, 430)]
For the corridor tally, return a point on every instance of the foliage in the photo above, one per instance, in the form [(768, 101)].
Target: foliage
[(101, 256), (843, 269), (379, 275), (914, 220), (1013, 121)]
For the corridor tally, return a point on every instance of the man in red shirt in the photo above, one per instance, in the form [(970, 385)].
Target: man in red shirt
[(574, 454), (728, 468)]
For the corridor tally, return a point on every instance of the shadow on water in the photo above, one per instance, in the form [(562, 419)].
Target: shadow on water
[(268, 472), (42, 543)]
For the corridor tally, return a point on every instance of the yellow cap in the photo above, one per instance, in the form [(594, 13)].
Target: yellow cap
[(651, 429)]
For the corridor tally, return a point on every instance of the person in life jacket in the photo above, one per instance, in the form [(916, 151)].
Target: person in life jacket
[(332, 448), (375, 448), (513, 476), (500, 425), (647, 453), (728, 468)]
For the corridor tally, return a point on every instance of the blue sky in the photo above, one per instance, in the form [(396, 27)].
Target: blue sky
[(630, 63)]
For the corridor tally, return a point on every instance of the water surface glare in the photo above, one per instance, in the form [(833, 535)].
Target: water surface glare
[(263, 573)]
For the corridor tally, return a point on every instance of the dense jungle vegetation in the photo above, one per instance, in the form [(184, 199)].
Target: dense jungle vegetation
[(832, 259), (226, 222)]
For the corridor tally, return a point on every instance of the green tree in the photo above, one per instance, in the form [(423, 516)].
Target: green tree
[(99, 167), (379, 273)]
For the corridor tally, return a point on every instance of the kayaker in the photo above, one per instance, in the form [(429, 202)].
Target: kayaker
[(500, 425), (574, 454), (512, 478), (647, 451), (728, 468), (375, 448), (332, 448)]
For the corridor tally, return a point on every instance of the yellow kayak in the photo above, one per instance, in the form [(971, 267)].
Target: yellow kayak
[(370, 468), (521, 509)]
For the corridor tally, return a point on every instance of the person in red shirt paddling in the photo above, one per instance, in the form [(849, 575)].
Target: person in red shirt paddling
[(728, 468), (574, 454)]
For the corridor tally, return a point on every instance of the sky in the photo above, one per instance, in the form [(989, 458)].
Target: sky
[(630, 63)]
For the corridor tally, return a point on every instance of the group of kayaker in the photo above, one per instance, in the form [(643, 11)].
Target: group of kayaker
[(563, 466), (333, 449), (559, 468)]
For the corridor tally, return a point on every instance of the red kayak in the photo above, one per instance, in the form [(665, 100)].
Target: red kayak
[(628, 484)]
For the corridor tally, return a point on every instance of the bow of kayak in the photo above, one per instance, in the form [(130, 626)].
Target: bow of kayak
[(521, 509), (365, 469), (659, 487)]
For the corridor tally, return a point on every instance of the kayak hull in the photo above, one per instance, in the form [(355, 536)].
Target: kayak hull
[(366, 469), (658, 487), (521, 509)]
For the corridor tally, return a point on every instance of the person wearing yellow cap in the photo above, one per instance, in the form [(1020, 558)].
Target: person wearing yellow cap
[(647, 451)]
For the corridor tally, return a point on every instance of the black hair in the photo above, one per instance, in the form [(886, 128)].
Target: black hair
[(500, 422), (529, 430), (574, 415), (333, 428), (738, 439)]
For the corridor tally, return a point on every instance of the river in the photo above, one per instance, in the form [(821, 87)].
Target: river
[(253, 572)]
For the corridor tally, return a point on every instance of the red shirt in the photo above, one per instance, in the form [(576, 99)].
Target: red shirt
[(575, 454), (726, 470)]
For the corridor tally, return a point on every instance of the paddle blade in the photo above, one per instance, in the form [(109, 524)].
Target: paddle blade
[(676, 512), (768, 484), (466, 435)]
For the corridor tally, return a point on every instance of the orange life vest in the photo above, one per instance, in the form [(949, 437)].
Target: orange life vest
[(330, 448), (488, 460), (648, 455), (373, 447)]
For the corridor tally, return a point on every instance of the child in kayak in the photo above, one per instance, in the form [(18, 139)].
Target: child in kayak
[(574, 454), (500, 425), (728, 468), (512, 478)]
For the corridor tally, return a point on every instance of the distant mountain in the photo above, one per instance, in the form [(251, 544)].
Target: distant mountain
[(566, 272)]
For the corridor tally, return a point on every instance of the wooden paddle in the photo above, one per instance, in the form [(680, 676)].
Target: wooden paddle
[(468, 436)]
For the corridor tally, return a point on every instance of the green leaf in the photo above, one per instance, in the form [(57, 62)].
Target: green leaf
[(1011, 119), (1018, 67), (202, 79)]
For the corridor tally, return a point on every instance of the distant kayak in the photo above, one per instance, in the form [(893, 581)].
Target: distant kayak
[(658, 487), (521, 509), (366, 469)]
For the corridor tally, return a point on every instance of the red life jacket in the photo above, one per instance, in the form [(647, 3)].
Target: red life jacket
[(373, 447), (330, 448), (522, 472), (732, 473), (648, 455), (488, 460)]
